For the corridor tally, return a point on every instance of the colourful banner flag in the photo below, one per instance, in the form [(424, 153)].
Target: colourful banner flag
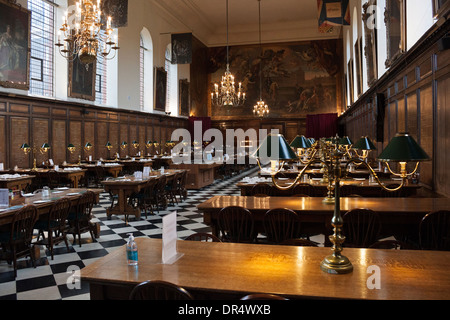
[(333, 13)]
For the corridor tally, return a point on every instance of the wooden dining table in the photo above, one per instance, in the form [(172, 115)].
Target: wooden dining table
[(75, 175), (15, 183), (43, 204), (233, 270), (124, 187), (398, 216), (359, 186)]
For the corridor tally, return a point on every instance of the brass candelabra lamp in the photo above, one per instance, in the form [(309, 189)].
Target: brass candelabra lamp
[(331, 154), (72, 148), (28, 149)]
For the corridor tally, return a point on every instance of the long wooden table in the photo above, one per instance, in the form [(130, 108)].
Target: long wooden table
[(16, 183), (399, 216), (43, 204), (363, 188), (74, 176), (125, 187), (231, 270)]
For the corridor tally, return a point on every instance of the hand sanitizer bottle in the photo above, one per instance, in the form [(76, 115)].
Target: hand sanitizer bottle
[(132, 251)]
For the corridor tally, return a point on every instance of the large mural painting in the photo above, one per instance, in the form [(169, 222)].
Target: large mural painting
[(297, 79)]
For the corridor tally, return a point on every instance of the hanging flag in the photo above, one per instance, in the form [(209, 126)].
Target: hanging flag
[(181, 48), (333, 13)]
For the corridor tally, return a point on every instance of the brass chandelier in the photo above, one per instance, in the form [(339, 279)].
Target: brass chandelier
[(227, 95), (261, 109), (84, 40)]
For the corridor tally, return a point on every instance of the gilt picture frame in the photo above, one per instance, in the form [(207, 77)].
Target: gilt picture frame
[(370, 45), (160, 89), (395, 20), (15, 46)]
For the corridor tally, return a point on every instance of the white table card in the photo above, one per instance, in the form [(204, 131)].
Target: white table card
[(50, 161), (169, 239), (2, 167), (146, 172), (4, 198)]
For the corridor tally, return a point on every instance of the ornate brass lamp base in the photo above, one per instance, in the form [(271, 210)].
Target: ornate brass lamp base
[(336, 264), (328, 200)]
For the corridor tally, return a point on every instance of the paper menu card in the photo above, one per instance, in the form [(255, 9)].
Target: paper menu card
[(169, 239), (4, 198)]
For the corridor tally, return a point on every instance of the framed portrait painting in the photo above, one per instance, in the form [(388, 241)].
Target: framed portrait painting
[(160, 89), (82, 80), (184, 98), (14, 46), (395, 17)]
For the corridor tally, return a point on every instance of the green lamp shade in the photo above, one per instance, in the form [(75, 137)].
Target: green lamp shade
[(403, 148), (364, 144), (108, 144), (345, 141), (275, 147), (25, 146), (300, 142), (45, 146)]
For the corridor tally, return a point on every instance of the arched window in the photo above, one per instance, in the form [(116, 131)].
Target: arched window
[(172, 83), (146, 71)]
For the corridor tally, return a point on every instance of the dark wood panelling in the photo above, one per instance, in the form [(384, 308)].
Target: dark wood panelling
[(423, 105), (19, 135), (41, 136), (59, 141), (89, 136), (102, 139), (124, 137), (75, 139), (426, 132)]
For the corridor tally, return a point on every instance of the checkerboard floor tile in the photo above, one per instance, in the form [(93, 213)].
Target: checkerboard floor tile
[(51, 279)]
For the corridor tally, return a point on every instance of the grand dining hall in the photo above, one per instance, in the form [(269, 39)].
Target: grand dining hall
[(234, 150)]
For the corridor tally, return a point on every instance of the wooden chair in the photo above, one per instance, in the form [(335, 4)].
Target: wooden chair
[(53, 179), (434, 231), (281, 224), (80, 217), (236, 225), (171, 187), (361, 228), (159, 290), (262, 296), (203, 236), (262, 189), (16, 242), (181, 186), (55, 224)]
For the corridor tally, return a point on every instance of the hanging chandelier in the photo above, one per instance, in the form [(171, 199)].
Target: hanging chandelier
[(227, 95), (84, 40), (261, 109)]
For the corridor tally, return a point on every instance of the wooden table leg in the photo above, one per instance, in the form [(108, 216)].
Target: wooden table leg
[(122, 207)]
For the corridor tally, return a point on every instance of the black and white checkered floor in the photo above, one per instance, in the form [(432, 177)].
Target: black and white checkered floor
[(48, 281)]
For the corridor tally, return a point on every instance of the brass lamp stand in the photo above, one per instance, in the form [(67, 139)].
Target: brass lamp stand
[(401, 149), (27, 149)]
